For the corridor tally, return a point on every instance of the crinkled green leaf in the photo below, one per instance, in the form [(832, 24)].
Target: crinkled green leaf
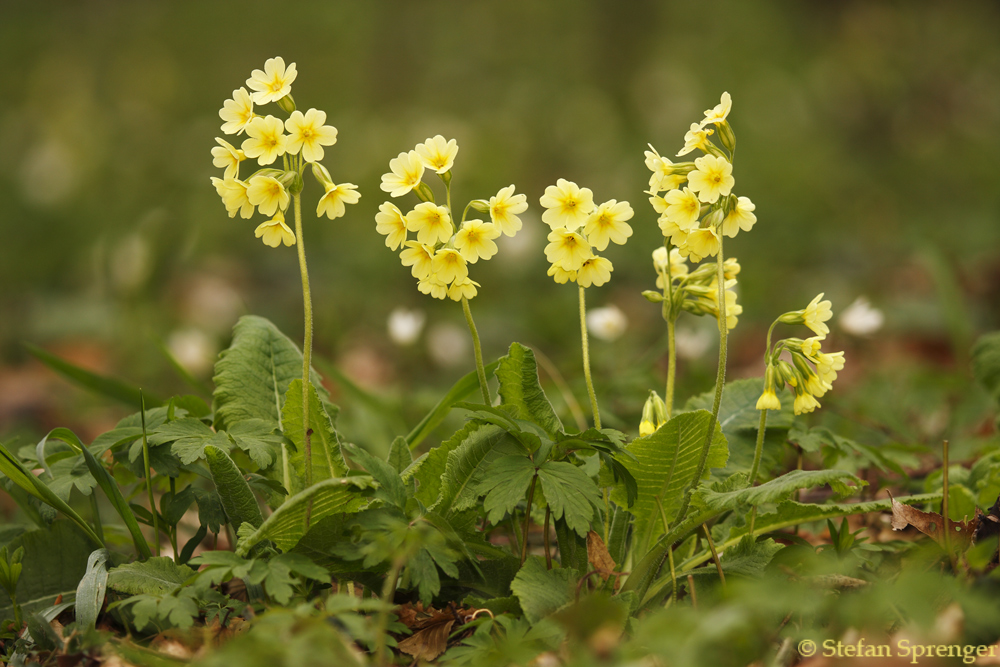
[(257, 437), (467, 464), (738, 409), (520, 389), (540, 591), (570, 493), (156, 576), (327, 460), (505, 485), (778, 489)]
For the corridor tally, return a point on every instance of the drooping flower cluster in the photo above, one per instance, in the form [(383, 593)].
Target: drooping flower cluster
[(442, 250), (579, 227), (269, 189), (699, 204), (811, 371), (696, 291)]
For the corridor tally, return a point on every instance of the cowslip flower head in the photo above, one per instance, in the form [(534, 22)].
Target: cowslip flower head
[(720, 112), (740, 216), (475, 240), (266, 139), (308, 134), (504, 208), (567, 249), (228, 157), (607, 223), (389, 221), (567, 205), (701, 243), (448, 265), (674, 260), (561, 275), (804, 402), (237, 112), (405, 172), (696, 138), (816, 314), (275, 232), (462, 288), (437, 153), (234, 197), (267, 194), (431, 222), (273, 83), (594, 271), (419, 256), (683, 208), (712, 178), (332, 203)]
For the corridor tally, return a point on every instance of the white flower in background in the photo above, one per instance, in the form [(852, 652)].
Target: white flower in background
[(607, 323), (448, 344), (692, 343), (405, 325), (861, 318), (193, 349)]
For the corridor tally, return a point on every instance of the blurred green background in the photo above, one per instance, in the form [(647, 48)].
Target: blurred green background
[(868, 136)]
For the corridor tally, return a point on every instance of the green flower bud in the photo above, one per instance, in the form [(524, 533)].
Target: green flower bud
[(652, 296), (321, 174), (654, 414), (287, 104), (480, 205), (424, 192), (726, 135)]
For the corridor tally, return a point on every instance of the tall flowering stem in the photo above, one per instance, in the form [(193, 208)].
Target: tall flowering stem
[(670, 317), (586, 359), (759, 449), (480, 368), (308, 335)]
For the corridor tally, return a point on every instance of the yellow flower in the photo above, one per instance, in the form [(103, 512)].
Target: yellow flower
[(390, 221), (678, 266), (733, 309), (810, 347), (267, 194), (671, 231), (237, 112), (273, 83), (420, 257), (227, 156), (504, 208), (267, 139), (712, 178), (827, 366), (567, 249), (768, 400), (607, 222), (431, 285), (475, 240), (234, 196), (731, 268), (720, 112), (275, 232), (804, 402), (332, 202), (406, 170), (568, 205), (561, 275), (308, 133), (449, 265), (662, 177), (594, 271), (462, 288), (816, 314), (431, 222), (438, 154), (683, 208), (696, 137), (701, 243)]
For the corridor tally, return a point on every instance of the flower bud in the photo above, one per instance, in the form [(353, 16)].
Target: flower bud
[(652, 296), (480, 205), (287, 104), (321, 174), (794, 317), (292, 180), (726, 135), (786, 373), (446, 177), (714, 219), (424, 192), (654, 414)]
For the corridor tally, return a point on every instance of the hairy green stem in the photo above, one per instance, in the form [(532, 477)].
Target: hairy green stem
[(670, 317), (548, 548), (307, 336), (173, 529), (586, 359), (715, 554), (388, 593), (480, 369), (527, 518), (759, 449)]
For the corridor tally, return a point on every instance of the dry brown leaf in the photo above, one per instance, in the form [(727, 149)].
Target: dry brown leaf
[(431, 641), (598, 556), (931, 523)]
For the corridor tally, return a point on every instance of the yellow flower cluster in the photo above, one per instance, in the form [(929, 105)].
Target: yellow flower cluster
[(578, 228), (696, 291), (269, 190), (811, 371), (697, 204), (440, 254), (654, 414)]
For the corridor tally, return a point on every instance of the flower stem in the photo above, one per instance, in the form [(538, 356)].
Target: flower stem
[(759, 449), (720, 381), (586, 359), (671, 368), (480, 369), (307, 336), (527, 518)]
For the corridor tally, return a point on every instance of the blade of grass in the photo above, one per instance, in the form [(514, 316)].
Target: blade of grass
[(106, 386), (149, 476), (458, 392)]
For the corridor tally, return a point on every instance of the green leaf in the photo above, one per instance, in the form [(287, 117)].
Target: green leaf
[(106, 386), (570, 493), (540, 591), (466, 467), (738, 410), (237, 498), (259, 440), (428, 470), (55, 559), (290, 522), (505, 485), (780, 488), (69, 474), (747, 558), (400, 457), (188, 436), (664, 466), (465, 386), (391, 487), (167, 611), (253, 374), (327, 460), (519, 388), (91, 589), (986, 363), (157, 576)]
